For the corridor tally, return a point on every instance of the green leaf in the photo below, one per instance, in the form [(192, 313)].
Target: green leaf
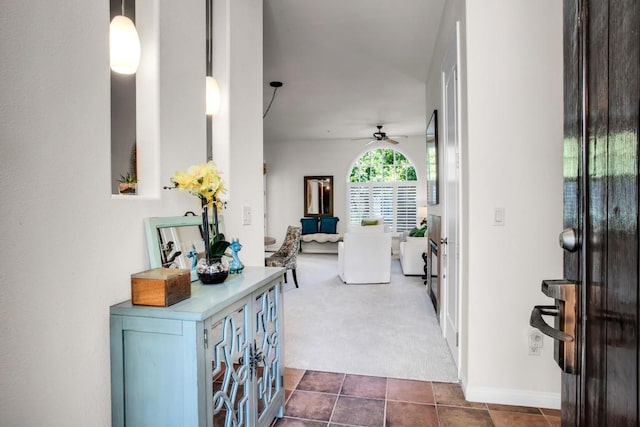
[(418, 232), (218, 248)]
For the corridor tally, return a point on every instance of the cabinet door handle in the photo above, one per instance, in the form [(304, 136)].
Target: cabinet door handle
[(538, 322)]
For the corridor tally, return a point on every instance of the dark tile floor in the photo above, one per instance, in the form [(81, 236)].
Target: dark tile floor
[(327, 399)]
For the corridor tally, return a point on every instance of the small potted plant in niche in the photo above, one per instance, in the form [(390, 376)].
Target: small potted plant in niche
[(128, 184)]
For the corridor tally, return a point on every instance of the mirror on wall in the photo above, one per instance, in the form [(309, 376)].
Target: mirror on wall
[(318, 196), (177, 242)]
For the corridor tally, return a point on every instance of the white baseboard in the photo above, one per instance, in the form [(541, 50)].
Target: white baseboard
[(504, 396)]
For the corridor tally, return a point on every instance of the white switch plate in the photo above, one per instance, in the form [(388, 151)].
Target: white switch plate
[(246, 215), (498, 216)]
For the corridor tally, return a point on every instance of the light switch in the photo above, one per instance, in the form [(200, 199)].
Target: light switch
[(246, 215), (498, 216)]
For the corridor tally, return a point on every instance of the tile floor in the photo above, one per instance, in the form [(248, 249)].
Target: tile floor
[(327, 399)]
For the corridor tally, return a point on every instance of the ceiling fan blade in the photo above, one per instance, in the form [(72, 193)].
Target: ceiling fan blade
[(391, 141), (370, 142), (397, 136)]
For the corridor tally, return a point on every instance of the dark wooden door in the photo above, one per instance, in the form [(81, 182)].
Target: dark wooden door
[(602, 103)]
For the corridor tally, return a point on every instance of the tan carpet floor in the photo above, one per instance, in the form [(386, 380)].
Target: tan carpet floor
[(388, 330)]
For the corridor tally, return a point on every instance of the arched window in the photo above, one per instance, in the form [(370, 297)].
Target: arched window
[(383, 183)]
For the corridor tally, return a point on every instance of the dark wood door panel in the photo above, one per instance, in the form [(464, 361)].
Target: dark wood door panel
[(595, 256), (572, 133), (602, 105), (620, 311), (572, 177)]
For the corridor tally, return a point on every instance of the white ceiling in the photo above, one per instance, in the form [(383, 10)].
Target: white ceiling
[(347, 65)]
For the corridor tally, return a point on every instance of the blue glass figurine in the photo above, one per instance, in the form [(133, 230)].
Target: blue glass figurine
[(235, 266), (193, 254)]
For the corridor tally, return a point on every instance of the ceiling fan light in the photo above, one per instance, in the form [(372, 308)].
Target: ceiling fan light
[(213, 97), (124, 45)]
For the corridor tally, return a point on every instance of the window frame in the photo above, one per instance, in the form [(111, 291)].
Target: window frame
[(395, 216)]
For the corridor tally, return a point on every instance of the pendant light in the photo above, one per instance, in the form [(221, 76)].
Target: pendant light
[(213, 97), (124, 45)]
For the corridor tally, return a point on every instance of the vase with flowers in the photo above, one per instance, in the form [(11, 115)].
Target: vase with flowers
[(205, 182)]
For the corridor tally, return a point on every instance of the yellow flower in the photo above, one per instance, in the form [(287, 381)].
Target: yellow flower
[(201, 180), (181, 180)]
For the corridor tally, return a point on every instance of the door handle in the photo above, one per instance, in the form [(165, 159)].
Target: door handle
[(538, 322), (570, 239)]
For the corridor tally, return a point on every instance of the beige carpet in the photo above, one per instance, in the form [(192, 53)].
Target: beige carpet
[(387, 330)]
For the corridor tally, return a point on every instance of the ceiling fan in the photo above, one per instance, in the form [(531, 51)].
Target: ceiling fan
[(381, 136)]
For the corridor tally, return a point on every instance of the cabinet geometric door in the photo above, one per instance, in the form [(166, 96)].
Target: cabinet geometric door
[(244, 361)]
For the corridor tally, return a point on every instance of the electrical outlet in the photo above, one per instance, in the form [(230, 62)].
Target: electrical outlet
[(536, 342), (535, 351)]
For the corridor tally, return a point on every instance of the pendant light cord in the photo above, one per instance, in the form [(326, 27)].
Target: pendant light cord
[(275, 89), (209, 25), (122, 4)]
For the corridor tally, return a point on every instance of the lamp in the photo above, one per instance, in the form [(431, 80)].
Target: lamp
[(213, 97), (422, 213), (124, 45)]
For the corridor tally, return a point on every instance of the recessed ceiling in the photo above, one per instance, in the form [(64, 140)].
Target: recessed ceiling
[(347, 66)]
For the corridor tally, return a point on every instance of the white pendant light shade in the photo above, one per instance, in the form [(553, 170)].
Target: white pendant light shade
[(213, 97), (124, 45)]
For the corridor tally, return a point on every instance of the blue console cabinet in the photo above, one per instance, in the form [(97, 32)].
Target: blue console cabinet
[(215, 359)]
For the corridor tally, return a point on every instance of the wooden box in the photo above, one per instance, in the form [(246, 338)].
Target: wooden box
[(160, 287)]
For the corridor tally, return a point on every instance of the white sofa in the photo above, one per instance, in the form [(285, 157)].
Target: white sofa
[(411, 250), (364, 255)]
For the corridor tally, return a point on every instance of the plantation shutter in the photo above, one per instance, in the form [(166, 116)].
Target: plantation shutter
[(394, 202), (382, 202), (406, 211), (358, 203)]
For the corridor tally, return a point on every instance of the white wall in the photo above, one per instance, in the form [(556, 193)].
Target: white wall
[(511, 154), (237, 130), (289, 162), (69, 247)]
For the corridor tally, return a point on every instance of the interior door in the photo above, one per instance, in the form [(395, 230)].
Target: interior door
[(450, 242), (602, 97)]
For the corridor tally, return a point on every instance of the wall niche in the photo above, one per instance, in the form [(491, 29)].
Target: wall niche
[(123, 112), (135, 105)]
